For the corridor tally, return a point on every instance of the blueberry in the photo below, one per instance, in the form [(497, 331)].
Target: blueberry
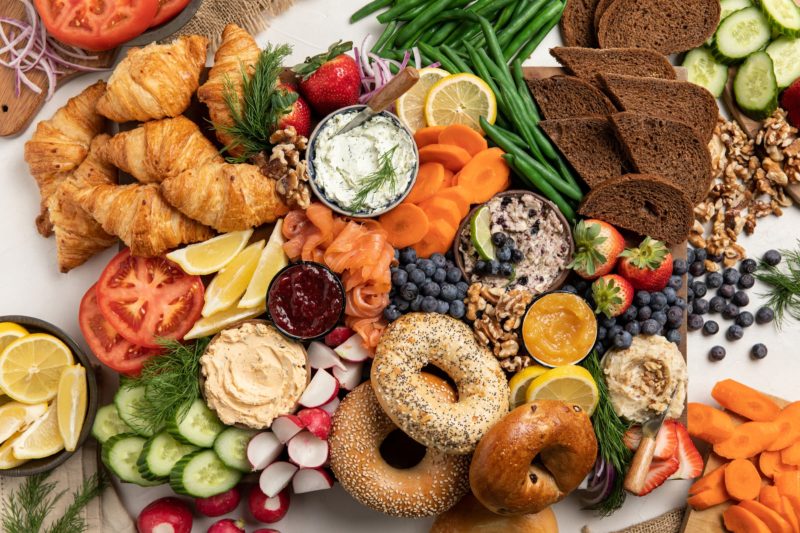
[(726, 291), (730, 312), (493, 268), (741, 299), (717, 353), (674, 316), (746, 281), (772, 257), (698, 268), (416, 303), (671, 295), (699, 289), (745, 319), (714, 280), (392, 313), (453, 274), (506, 270), (717, 304), (690, 255), (499, 239), (431, 288), (701, 306), (675, 282), (408, 256), (411, 267), (439, 275), (680, 267), (689, 279), (401, 303), (690, 308), (517, 255), (418, 277), (730, 276), (690, 294), (748, 266), (439, 260), (442, 307), (734, 333), (700, 254), (764, 315), (758, 351), (582, 286), (710, 328), (570, 289), (503, 254), (694, 322), (427, 266), (623, 340), (680, 302), (630, 314), (633, 328), (449, 292), (462, 286), (673, 335), (608, 322), (660, 317), (602, 333), (644, 313), (658, 301), (614, 331), (399, 277), (716, 258), (457, 309), (429, 304), (650, 327), (409, 291), (599, 348), (641, 298), (449, 255)]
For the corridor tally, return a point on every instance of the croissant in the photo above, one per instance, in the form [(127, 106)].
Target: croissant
[(224, 196), (159, 149), (60, 144), (139, 216), (156, 81), (234, 58)]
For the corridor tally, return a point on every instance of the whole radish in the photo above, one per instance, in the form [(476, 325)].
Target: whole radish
[(165, 514), (220, 504), (227, 525), (266, 509)]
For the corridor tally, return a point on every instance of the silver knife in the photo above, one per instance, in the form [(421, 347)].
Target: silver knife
[(398, 86)]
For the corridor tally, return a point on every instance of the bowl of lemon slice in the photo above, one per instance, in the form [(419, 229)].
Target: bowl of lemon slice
[(48, 396)]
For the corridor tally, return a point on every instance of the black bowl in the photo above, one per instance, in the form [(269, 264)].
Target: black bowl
[(170, 27)]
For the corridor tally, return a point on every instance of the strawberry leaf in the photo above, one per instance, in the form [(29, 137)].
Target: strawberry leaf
[(313, 63), (650, 254)]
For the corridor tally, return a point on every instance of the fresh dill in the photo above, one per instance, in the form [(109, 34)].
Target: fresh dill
[(368, 185), (783, 295)]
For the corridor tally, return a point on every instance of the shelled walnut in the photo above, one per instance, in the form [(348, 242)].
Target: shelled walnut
[(497, 315), (286, 166)]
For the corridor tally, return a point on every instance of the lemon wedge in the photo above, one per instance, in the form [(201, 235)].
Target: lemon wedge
[(271, 261), (9, 332), (571, 384), (217, 322), (31, 366), (410, 106), (15, 417), (460, 99), (42, 438), (7, 458), (71, 400), (520, 382), (231, 282), (212, 255)]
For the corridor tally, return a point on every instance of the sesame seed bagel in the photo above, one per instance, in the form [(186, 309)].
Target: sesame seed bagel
[(417, 339), (359, 428), (558, 435)]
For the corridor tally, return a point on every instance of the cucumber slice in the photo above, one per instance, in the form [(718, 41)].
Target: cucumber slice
[(107, 423), (755, 86), (231, 447), (120, 453), (785, 54), (740, 34), (126, 400), (703, 70), (783, 16), (159, 455), (199, 426), (726, 7), (202, 474)]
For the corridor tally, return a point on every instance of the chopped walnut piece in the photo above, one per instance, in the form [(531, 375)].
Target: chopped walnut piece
[(286, 166), (496, 315), (516, 363)]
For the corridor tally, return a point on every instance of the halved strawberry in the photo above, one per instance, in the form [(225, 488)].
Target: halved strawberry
[(659, 472), (666, 440), (790, 101), (691, 462)]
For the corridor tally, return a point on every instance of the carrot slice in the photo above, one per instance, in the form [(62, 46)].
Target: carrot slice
[(788, 483), (791, 455), (742, 480), (486, 175), (459, 195), (439, 239), (770, 496), (770, 463), (708, 498), (713, 480), (429, 135), (443, 208), (429, 180), (789, 419), (739, 520), (452, 157), (745, 401), (449, 179), (405, 225), (708, 424), (790, 514), (774, 521), (747, 440), (465, 137)]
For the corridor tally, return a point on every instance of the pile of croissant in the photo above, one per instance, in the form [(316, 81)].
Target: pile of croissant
[(185, 191)]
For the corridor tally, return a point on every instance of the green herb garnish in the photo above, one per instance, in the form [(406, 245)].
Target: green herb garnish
[(784, 286), (367, 185)]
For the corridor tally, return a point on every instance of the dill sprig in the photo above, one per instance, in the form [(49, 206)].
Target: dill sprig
[(783, 295), (72, 521), (372, 182)]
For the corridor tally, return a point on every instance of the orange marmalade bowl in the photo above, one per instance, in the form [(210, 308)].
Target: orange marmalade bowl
[(559, 329)]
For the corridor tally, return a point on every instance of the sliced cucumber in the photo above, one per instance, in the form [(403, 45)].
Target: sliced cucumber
[(120, 454), (726, 7), (785, 54), (202, 474), (127, 400), (783, 16), (231, 447), (755, 87), (107, 423), (703, 70), (199, 426), (740, 34), (159, 455)]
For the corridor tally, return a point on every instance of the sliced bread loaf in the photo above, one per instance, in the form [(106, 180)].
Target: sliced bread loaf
[(601, 7), (675, 100), (590, 145), (568, 97), (668, 148), (587, 63), (577, 23), (668, 26), (642, 203)]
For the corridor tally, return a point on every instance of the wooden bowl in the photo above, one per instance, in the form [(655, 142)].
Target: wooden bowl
[(37, 466)]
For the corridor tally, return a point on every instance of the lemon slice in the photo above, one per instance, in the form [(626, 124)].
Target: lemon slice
[(212, 255), (42, 438), (571, 384), (31, 366), (71, 400), (9, 332), (7, 458), (271, 261), (15, 417), (460, 99), (216, 323), (411, 106), (520, 382), (231, 282)]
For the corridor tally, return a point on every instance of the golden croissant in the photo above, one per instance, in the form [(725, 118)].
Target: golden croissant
[(234, 58), (156, 81), (139, 216), (159, 149), (224, 196), (60, 144)]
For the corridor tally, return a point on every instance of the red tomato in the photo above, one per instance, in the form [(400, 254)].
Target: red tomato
[(94, 24), (107, 345), (167, 9), (149, 298)]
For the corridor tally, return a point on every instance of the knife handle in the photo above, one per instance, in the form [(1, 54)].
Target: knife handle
[(393, 90), (637, 473)]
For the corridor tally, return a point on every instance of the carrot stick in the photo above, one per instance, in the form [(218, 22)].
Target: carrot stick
[(708, 424), (713, 480), (405, 225), (742, 480), (430, 135), (770, 463), (437, 207), (770, 496), (789, 513), (745, 401), (459, 195), (774, 521), (788, 483), (486, 175), (708, 498), (791, 455), (739, 520), (452, 157), (438, 239), (465, 137), (747, 440), (429, 180), (789, 419)]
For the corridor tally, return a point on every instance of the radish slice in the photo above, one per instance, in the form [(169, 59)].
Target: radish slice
[(276, 477), (322, 389), (321, 356), (331, 406), (317, 421), (307, 451), (265, 509), (310, 480), (350, 377), (263, 449), (353, 350), (286, 426)]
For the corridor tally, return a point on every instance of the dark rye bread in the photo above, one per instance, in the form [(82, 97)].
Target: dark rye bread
[(587, 63), (577, 23), (568, 97), (668, 26), (668, 148), (646, 204), (590, 145), (675, 100), (602, 5)]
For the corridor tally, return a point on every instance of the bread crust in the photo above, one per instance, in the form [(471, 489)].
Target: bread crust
[(469, 516)]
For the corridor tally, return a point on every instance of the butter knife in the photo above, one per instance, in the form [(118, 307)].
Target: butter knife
[(398, 86)]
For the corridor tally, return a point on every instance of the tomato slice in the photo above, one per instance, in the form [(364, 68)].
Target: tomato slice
[(149, 298), (107, 345), (96, 24), (167, 9)]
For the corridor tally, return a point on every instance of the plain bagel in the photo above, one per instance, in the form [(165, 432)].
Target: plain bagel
[(469, 516), (418, 339), (503, 474)]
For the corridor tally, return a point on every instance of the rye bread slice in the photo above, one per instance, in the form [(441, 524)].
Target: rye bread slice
[(646, 204), (577, 23), (668, 26), (569, 97), (668, 148), (601, 7), (590, 145), (587, 63), (675, 100)]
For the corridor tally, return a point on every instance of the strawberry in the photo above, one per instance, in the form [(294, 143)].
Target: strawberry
[(691, 462), (299, 116), (331, 80), (648, 266), (612, 295), (666, 440), (659, 472), (597, 246), (790, 101)]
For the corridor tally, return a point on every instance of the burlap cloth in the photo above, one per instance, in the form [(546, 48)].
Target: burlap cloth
[(669, 522)]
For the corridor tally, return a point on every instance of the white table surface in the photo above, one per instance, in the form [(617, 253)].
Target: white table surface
[(30, 284)]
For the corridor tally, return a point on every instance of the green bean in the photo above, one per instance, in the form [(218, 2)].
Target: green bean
[(494, 47), (369, 9), (505, 16), (386, 36), (399, 10), (436, 55), (493, 7), (456, 59), (537, 39), (422, 20), (534, 25), (544, 187), (442, 33), (528, 14)]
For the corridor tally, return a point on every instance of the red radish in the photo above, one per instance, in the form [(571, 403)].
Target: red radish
[(263, 449), (287, 426), (321, 356), (317, 421), (227, 525), (307, 451), (276, 477), (322, 388), (353, 349), (331, 406), (350, 377), (338, 335), (165, 515), (266, 509), (218, 505), (310, 480)]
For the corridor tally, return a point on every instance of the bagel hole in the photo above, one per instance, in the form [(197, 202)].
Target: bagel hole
[(401, 451), (439, 373)]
